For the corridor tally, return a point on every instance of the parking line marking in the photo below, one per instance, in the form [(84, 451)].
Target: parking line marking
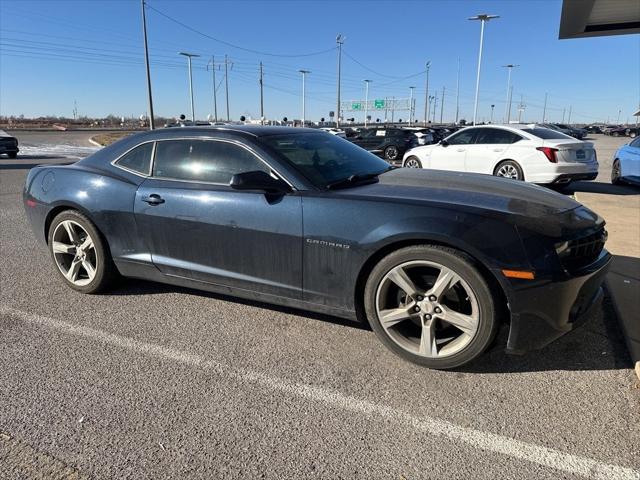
[(529, 452)]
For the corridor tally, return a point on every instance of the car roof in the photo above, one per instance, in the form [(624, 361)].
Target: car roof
[(253, 130)]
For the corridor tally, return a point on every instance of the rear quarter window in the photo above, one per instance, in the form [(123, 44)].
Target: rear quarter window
[(138, 159)]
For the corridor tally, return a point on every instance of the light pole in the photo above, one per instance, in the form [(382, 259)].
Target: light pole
[(304, 75), (426, 95), (189, 56), (146, 61), (457, 92), (483, 19), (618, 121), (366, 100), (411, 105), (544, 109), (339, 40), (492, 107), (507, 109)]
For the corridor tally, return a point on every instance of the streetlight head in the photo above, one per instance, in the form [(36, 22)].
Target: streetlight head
[(367, 81), (428, 63), (188, 54), (340, 38), (484, 17), (304, 71)]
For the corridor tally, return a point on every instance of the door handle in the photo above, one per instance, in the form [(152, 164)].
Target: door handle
[(498, 149), (153, 199), (461, 149)]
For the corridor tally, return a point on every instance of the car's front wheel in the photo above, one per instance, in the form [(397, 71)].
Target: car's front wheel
[(391, 153), (509, 169), (616, 173), (79, 253), (633, 134), (431, 306), (413, 162)]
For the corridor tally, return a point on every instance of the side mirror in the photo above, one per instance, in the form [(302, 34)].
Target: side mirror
[(444, 143), (258, 180)]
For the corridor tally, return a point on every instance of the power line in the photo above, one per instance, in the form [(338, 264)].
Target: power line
[(257, 52)]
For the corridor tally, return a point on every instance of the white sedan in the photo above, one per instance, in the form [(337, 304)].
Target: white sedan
[(334, 131), (521, 152)]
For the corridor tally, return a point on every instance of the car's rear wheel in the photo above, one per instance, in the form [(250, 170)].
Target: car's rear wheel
[(633, 134), (391, 153), (615, 134), (616, 173), (413, 162), (13, 154), (79, 253), (431, 306), (509, 169)]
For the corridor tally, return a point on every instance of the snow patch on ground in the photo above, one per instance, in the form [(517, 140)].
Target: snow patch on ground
[(57, 150)]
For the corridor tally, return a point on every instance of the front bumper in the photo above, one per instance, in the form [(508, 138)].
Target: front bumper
[(544, 312)]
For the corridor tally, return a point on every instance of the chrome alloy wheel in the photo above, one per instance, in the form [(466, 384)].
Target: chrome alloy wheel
[(427, 309), (507, 171), (74, 253), (412, 163)]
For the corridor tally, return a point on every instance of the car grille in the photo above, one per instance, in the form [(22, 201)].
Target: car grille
[(583, 251)]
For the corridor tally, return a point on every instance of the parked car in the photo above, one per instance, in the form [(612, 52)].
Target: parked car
[(632, 132), (8, 144), (619, 131), (521, 152), (578, 133), (433, 261), (334, 131), (626, 164), (389, 143), (426, 136), (594, 129)]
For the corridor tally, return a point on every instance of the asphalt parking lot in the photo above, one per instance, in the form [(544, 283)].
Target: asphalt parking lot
[(153, 381)]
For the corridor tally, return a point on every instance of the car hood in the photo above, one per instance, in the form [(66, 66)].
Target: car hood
[(493, 194)]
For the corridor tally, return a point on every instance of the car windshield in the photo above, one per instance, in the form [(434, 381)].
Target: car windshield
[(546, 133), (325, 159)]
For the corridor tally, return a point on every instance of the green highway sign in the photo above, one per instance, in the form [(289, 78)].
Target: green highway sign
[(356, 106), (378, 103)]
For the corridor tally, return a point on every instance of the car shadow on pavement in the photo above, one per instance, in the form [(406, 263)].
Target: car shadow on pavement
[(600, 187), (597, 345), (142, 287)]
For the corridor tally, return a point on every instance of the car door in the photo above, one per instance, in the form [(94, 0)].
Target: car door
[(196, 226), (490, 146), (451, 153), (630, 159)]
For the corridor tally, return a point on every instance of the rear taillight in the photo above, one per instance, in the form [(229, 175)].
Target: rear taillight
[(550, 153)]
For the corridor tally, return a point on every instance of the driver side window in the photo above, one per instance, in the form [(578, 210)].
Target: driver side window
[(462, 138)]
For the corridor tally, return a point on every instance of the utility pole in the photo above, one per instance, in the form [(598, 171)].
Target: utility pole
[(189, 57), (457, 93), (442, 105), (393, 108), (366, 100), (213, 79), (618, 121), (544, 109), (146, 61), (492, 107), (569, 119), (520, 109), (483, 19), (226, 84), (426, 95), (507, 113), (261, 96), (75, 109), (563, 110), (339, 40), (435, 106), (411, 105), (304, 74)]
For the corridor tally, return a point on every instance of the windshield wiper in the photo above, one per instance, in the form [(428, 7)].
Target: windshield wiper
[(357, 179)]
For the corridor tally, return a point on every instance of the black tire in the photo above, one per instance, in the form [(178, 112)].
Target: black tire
[(412, 162), (391, 153), (105, 270), (615, 134), (465, 267), (633, 134), (616, 173), (13, 154), (507, 164)]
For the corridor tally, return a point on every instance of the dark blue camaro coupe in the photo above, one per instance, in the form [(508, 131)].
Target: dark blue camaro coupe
[(433, 261)]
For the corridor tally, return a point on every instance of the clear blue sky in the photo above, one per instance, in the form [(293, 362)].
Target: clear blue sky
[(53, 53)]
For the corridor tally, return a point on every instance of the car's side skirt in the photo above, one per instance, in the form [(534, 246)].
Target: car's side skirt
[(149, 272)]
